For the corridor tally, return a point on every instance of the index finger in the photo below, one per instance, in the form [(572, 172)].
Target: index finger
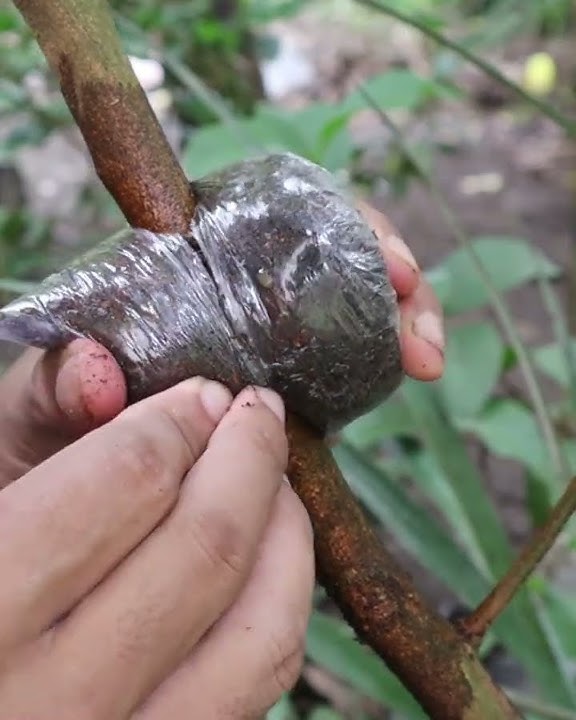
[(66, 524)]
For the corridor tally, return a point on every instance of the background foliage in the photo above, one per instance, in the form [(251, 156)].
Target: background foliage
[(418, 462)]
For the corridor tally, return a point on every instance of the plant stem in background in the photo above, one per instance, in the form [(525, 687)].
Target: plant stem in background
[(436, 664), (546, 109), (477, 624), (129, 149), (559, 464)]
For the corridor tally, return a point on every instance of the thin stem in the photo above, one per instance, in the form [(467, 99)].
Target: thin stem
[(548, 110), (499, 305), (477, 624)]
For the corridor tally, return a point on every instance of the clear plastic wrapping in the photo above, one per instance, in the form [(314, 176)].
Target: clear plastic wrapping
[(279, 283)]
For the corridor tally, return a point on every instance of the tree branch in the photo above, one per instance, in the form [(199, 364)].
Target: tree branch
[(477, 624), (378, 599)]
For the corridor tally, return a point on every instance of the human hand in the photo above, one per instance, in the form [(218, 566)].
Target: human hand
[(421, 319), (50, 399), (158, 566)]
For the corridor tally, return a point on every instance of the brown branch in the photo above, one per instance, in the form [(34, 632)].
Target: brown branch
[(137, 166), (379, 600), (477, 624), (128, 147)]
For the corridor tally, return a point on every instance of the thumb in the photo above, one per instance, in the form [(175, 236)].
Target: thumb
[(51, 399)]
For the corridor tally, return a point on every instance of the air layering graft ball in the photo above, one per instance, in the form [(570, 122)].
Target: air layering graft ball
[(279, 283)]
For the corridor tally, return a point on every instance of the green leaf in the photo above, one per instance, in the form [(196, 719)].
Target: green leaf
[(13, 97), (212, 148), (413, 525), (474, 358), (509, 429), (264, 11), (9, 21), (392, 90), (423, 466), (282, 129), (333, 146), (561, 609), (490, 541), (510, 262), (392, 418), (551, 360), (552, 635), (283, 710), (325, 713), (331, 644), (538, 502), (521, 628)]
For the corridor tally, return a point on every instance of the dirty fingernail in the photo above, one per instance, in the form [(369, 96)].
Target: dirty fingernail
[(216, 399), (68, 391), (428, 327), (273, 401), (399, 248)]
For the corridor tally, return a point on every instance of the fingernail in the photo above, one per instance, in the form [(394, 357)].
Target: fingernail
[(216, 399), (399, 247), (68, 391), (428, 327), (273, 401)]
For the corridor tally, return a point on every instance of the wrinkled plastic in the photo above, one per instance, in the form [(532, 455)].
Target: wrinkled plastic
[(280, 283)]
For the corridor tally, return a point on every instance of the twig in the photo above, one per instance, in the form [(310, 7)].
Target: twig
[(375, 595), (475, 626), (128, 147), (499, 305), (548, 110)]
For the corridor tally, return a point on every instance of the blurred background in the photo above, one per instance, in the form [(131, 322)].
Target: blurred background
[(481, 184)]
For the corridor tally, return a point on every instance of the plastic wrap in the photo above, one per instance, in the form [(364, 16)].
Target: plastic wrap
[(279, 283)]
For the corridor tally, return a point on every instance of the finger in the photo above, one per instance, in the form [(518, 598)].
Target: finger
[(254, 653), (422, 334), (50, 399), (402, 267), (145, 618), (67, 523)]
